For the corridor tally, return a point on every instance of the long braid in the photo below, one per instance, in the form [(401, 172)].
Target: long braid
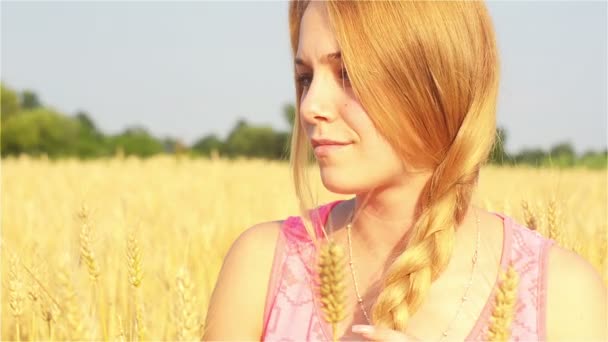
[(441, 207), (442, 204)]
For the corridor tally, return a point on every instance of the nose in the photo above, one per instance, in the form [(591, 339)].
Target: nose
[(319, 101)]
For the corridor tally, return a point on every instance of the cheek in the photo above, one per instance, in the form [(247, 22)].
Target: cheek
[(376, 154), (356, 118), (359, 121)]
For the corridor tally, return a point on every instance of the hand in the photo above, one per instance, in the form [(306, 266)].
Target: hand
[(372, 333)]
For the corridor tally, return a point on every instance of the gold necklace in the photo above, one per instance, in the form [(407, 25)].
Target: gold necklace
[(462, 300)]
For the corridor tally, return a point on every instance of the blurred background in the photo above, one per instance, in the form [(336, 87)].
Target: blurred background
[(140, 139)]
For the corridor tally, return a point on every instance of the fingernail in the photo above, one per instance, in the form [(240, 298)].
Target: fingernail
[(362, 329)]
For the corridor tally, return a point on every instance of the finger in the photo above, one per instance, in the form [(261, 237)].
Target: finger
[(373, 333)]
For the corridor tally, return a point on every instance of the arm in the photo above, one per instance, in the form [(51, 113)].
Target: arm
[(236, 306), (576, 299)]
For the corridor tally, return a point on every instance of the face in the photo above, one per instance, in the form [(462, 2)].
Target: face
[(358, 159)]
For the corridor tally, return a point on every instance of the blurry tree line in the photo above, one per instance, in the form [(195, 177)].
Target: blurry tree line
[(28, 127)]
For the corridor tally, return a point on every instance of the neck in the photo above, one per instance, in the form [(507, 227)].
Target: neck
[(384, 217)]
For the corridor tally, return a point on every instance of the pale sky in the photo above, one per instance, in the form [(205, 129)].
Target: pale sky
[(187, 69)]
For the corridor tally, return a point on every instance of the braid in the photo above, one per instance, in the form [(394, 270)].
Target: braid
[(442, 206)]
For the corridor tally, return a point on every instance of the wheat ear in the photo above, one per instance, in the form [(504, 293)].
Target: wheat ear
[(552, 221), (85, 244), (87, 254), (531, 221), (187, 318), (504, 304), (134, 260), (331, 284), (72, 309), (135, 278)]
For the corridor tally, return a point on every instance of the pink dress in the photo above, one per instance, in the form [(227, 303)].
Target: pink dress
[(292, 313)]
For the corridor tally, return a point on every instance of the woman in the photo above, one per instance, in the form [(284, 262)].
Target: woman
[(398, 101)]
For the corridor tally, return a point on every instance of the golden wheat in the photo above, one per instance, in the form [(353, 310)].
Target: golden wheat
[(134, 264), (331, 284), (72, 319), (134, 260), (121, 331), (85, 244), (504, 304), (552, 218), (187, 318), (529, 217), (16, 296), (187, 214)]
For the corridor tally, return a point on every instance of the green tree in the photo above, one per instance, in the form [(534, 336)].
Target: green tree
[(561, 155), (532, 157), (282, 146), (498, 155), (289, 113), (136, 141), (174, 145), (10, 102), (86, 121), (207, 144), (594, 159), (29, 100), (40, 131), (564, 148), (91, 142), (255, 141)]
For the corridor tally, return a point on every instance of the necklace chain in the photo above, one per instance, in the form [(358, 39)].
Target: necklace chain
[(463, 299)]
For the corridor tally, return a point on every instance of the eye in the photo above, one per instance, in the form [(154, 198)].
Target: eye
[(304, 80), (344, 74)]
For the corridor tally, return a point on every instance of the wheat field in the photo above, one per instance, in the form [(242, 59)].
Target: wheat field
[(127, 249)]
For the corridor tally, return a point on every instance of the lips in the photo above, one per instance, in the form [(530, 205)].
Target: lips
[(323, 142), (323, 148)]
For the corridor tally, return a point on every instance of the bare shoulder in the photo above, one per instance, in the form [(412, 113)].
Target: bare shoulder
[(576, 298), (240, 291), (265, 233)]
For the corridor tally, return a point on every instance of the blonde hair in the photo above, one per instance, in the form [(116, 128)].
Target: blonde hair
[(429, 69)]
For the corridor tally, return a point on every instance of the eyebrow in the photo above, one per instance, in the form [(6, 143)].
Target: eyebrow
[(330, 58)]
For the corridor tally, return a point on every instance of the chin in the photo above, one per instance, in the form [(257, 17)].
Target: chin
[(340, 181)]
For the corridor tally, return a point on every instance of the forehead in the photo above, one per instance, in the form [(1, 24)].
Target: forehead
[(316, 36)]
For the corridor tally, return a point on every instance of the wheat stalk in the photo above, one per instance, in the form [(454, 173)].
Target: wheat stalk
[(49, 314), (87, 254), (72, 311), (186, 312), (16, 293), (48, 310), (530, 219), (552, 221), (134, 260), (600, 250), (31, 274), (140, 327), (135, 278), (34, 295), (504, 304), (331, 284), (121, 331), (85, 244)]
